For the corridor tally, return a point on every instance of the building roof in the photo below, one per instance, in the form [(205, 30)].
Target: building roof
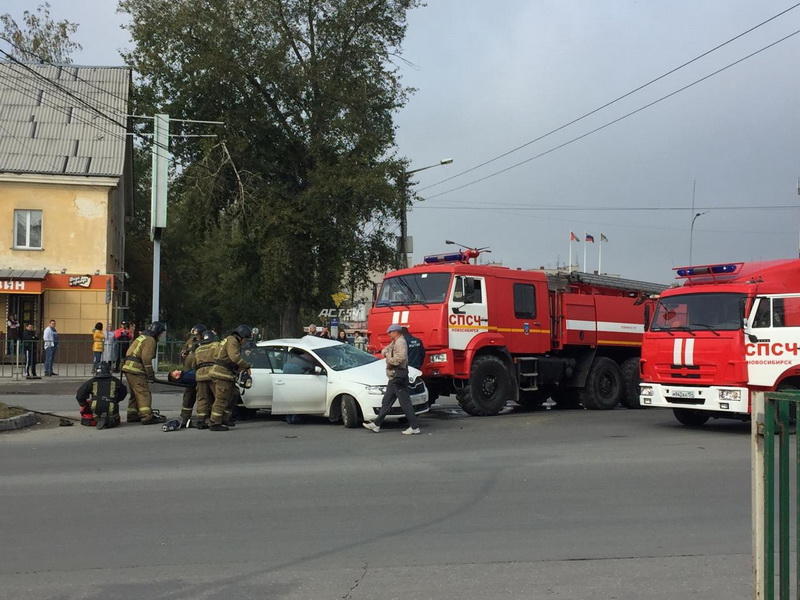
[(63, 119)]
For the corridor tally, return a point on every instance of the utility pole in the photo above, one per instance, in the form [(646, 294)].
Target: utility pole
[(402, 246)]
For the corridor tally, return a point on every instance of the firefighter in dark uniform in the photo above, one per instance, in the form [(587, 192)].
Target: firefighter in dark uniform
[(416, 351), (190, 393), (138, 369), (228, 362), (202, 361), (99, 398)]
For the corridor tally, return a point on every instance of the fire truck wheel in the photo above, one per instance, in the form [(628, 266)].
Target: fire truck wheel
[(630, 383), (603, 385), (488, 389), (350, 412), (689, 417)]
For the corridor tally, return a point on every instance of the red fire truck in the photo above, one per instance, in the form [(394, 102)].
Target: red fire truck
[(731, 328), (494, 334)]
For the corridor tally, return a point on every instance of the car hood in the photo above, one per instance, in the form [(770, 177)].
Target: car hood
[(373, 374)]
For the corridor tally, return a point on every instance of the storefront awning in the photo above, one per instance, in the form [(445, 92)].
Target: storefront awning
[(23, 274)]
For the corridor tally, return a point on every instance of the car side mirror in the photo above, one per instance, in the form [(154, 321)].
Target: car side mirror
[(318, 370), (469, 290), (647, 317)]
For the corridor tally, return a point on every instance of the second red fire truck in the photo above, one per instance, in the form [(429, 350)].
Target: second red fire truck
[(730, 329), (494, 334)]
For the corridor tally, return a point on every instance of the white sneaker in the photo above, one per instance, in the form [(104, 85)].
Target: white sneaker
[(411, 431), (371, 426)]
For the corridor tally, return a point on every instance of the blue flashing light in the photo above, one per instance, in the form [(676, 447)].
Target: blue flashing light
[(433, 259), (707, 270)]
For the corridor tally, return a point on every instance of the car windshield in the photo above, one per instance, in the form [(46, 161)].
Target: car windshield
[(419, 288), (341, 357), (698, 312)]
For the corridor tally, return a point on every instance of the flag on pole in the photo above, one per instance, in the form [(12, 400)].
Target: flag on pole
[(573, 237), (603, 238), (589, 238)]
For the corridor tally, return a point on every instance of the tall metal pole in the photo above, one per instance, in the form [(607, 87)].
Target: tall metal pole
[(158, 201), (404, 178), (691, 234)]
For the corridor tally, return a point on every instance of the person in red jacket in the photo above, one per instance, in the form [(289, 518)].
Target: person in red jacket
[(122, 340)]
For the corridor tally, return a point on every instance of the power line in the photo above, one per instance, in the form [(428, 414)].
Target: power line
[(608, 208), (625, 116), (607, 104)]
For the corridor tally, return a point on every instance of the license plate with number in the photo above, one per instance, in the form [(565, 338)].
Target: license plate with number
[(682, 394)]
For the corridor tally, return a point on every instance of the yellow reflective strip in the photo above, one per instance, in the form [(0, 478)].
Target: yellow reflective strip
[(617, 343)]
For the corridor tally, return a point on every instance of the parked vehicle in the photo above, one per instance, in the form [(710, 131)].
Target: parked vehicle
[(494, 334), (730, 329), (317, 376)]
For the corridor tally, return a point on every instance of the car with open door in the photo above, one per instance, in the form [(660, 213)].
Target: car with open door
[(317, 376)]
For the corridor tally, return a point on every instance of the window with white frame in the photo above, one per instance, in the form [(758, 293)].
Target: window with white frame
[(27, 229)]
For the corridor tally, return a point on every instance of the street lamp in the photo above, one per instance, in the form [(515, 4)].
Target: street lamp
[(691, 234), (401, 247)]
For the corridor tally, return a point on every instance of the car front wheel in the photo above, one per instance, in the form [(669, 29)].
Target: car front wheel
[(351, 415)]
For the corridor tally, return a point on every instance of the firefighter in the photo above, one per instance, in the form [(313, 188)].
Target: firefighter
[(202, 361), (190, 393), (99, 398), (228, 362), (138, 369)]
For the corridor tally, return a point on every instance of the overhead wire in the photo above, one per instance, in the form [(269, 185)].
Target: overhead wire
[(617, 120)]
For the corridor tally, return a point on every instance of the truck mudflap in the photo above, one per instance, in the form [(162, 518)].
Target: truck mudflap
[(718, 399)]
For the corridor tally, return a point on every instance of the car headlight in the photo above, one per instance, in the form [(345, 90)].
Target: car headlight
[(645, 390), (438, 358), (730, 395), (379, 390)]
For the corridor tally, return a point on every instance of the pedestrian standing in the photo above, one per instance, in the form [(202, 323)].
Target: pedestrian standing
[(396, 355), (122, 341), (98, 340), (50, 348), (30, 343), (13, 333)]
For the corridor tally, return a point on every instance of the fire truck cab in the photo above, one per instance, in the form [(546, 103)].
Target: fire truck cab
[(730, 329)]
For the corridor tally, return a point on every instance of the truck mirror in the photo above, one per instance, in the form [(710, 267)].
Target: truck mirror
[(469, 290), (647, 317)]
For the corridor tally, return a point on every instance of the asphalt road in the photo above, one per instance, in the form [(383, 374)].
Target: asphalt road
[(576, 504)]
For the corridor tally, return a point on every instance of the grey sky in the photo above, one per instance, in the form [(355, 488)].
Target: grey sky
[(492, 76)]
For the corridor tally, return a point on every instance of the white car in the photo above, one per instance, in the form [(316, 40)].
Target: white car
[(318, 376)]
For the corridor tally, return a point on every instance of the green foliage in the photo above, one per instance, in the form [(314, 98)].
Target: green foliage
[(39, 38), (297, 194)]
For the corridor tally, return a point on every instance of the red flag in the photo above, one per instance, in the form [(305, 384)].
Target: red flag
[(573, 237), (589, 238)]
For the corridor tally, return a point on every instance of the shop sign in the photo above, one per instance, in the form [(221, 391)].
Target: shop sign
[(12, 285), (83, 281)]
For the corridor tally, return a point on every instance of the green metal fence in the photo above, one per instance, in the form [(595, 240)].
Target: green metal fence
[(773, 422)]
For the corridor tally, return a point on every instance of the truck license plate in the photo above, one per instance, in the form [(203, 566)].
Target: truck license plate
[(683, 394)]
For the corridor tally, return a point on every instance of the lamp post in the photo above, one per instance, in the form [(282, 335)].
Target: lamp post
[(401, 247), (691, 234)]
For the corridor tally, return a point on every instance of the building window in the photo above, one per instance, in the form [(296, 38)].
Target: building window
[(28, 229)]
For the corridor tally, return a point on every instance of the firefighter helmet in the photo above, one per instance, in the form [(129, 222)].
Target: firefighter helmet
[(208, 337), (243, 331), (102, 370), (157, 328), (198, 329)]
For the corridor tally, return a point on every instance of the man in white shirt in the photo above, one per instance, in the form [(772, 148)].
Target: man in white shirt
[(50, 338)]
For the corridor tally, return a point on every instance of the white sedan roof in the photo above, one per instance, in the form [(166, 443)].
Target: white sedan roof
[(309, 342)]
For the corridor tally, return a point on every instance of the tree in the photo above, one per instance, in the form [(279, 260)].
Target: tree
[(40, 39), (298, 192)]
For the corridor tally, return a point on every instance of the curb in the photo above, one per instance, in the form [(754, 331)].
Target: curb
[(18, 422)]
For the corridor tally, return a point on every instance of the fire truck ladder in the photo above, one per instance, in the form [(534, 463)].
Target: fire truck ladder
[(560, 281), (528, 373)]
